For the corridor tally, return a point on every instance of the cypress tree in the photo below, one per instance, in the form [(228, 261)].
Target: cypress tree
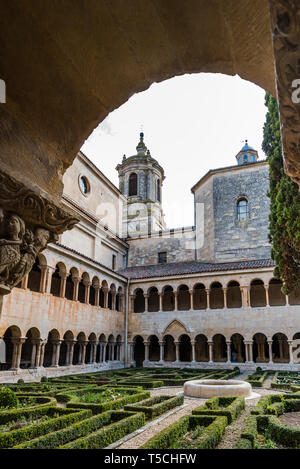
[(284, 225)]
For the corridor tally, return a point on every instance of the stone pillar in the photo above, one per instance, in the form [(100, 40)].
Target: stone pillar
[(287, 303), (75, 288), (49, 272), (250, 343), (228, 343), (270, 341), (177, 351), (104, 351), (207, 297), (97, 295), (94, 354), (161, 350), (146, 303), (245, 294), (33, 353), (63, 281), (267, 294), (53, 353), (72, 343), (193, 343), (24, 282), (105, 291), (113, 300), (160, 295), (42, 352), (87, 287), (17, 351), (43, 269), (146, 351), (290, 342), (210, 350), (57, 351), (192, 298), (83, 352), (175, 294), (225, 297)]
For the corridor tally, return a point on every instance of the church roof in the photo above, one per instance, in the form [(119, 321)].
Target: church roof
[(191, 267)]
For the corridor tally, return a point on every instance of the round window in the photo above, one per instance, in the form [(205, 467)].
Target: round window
[(84, 185)]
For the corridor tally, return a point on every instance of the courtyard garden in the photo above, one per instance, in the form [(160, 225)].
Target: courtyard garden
[(146, 408)]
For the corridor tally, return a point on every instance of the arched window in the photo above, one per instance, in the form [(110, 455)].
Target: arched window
[(242, 209), (158, 190), (132, 184)]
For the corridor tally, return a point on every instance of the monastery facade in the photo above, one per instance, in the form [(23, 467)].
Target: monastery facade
[(121, 289)]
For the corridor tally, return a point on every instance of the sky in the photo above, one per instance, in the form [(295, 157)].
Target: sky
[(192, 123)]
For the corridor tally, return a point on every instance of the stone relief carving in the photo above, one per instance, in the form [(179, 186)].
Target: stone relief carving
[(285, 18), (28, 222)]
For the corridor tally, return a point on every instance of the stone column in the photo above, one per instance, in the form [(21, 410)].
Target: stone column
[(63, 281), (228, 343), (43, 344), (33, 353), (175, 294), (83, 352), (245, 294), (43, 269), (97, 295), (225, 297), (207, 297), (210, 350), (53, 353), (161, 350), (270, 341), (193, 343), (17, 351), (94, 355), (75, 288), (160, 295), (146, 351), (24, 282), (49, 272), (290, 342), (72, 343), (87, 287), (287, 303), (104, 351), (113, 300), (250, 343), (177, 351), (267, 294), (192, 298), (146, 302), (57, 351), (105, 291)]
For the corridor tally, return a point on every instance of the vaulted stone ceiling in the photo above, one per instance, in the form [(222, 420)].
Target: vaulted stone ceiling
[(68, 63)]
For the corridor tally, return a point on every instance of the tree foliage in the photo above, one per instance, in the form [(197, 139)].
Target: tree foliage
[(284, 226)]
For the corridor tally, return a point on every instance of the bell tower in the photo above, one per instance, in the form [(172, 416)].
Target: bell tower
[(140, 181)]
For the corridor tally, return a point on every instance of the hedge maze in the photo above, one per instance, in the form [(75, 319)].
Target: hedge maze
[(95, 410)]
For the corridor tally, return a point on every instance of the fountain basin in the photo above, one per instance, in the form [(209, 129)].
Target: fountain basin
[(206, 388)]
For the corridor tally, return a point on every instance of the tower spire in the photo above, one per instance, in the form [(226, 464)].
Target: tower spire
[(141, 147)]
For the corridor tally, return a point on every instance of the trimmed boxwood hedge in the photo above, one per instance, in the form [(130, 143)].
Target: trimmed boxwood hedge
[(277, 404), (30, 411), (230, 407), (109, 405), (156, 405), (130, 422), (208, 439), (115, 423), (283, 434), (65, 418), (144, 383), (257, 379)]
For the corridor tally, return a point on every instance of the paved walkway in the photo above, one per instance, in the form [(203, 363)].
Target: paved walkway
[(232, 432)]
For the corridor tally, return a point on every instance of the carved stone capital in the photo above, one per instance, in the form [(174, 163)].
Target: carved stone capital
[(285, 20), (28, 222)]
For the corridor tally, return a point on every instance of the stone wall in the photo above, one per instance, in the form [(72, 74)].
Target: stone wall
[(179, 246)]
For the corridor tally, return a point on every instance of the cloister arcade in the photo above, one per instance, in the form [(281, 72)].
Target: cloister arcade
[(73, 286), (217, 349), (212, 296), (33, 351)]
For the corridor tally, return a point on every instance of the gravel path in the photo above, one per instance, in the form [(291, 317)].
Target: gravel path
[(232, 432)]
